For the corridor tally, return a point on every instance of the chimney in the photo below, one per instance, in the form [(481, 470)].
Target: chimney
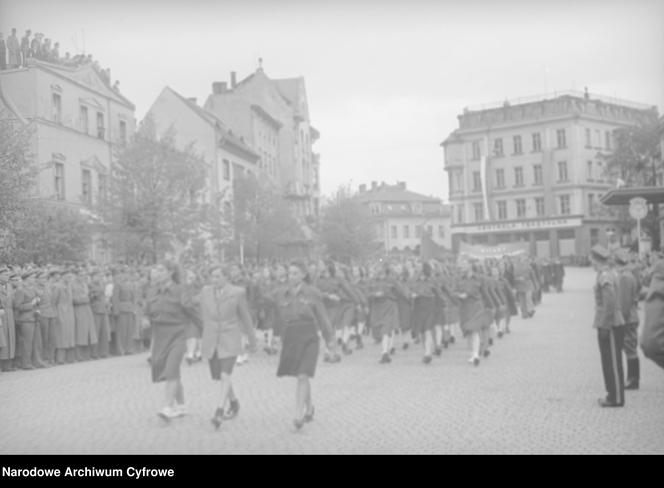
[(233, 80), (219, 87), (192, 100), (363, 188), (373, 185), (401, 185)]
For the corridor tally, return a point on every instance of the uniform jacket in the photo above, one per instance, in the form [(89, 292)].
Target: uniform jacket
[(47, 307), (124, 298), (652, 335), (173, 305), (98, 300), (226, 319), (304, 309), (23, 306), (607, 310), (628, 296)]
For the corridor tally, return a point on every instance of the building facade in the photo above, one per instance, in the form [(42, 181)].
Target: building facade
[(272, 115), (79, 120), (531, 170), (401, 217), (227, 155)]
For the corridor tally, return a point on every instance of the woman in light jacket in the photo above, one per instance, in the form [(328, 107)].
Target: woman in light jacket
[(226, 319)]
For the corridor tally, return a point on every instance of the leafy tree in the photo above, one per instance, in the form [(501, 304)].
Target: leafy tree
[(347, 228), (155, 197), (262, 220), (636, 160)]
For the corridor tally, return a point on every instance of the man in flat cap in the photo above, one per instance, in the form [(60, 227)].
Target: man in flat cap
[(610, 327), (628, 299)]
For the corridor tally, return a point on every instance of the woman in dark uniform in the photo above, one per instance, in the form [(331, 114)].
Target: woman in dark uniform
[(472, 312), (425, 294), (170, 308), (301, 314)]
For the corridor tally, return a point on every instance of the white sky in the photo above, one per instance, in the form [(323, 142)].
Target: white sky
[(385, 80)]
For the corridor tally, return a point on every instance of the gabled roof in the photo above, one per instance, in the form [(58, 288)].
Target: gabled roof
[(289, 88), (216, 123), (86, 76), (389, 193)]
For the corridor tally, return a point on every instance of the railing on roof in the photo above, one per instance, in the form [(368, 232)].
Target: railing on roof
[(551, 96)]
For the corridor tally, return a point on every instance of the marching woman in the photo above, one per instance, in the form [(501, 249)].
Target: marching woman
[(194, 349), (384, 292), (170, 308), (507, 295), (302, 314), (472, 311), (357, 282), (65, 342), (405, 305), (451, 324), (425, 294), (226, 319)]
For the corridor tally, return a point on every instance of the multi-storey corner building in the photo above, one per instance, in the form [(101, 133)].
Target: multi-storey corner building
[(227, 155), (529, 170), (273, 118), (78, 119), (401, 216)]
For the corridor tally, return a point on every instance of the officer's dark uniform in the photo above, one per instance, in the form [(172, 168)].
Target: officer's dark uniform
[(610, 329), (628, 298)]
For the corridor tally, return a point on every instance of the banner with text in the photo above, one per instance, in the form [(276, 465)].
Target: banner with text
[(493, 252)]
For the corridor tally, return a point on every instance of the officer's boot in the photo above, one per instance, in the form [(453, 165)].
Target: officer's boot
[(633, 374)]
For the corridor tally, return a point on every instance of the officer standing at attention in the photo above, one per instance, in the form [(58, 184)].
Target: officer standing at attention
[(628, 299), (610, 327)]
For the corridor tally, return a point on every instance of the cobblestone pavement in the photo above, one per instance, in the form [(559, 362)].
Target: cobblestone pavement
[(535, 394)]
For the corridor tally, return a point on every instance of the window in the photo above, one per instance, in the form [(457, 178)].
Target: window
[(100, 125), (430, 230), (589, 170), (479, 211), (564, 205), (502, 210), (441, 231), (498, 147), (537, 173), (418, 231), (477, 181), (227, 170), (59, 181), (500, 178), (591, 202), (123, 132), (560, 136), (537, 142), (476, 150), (101, 187), (406, 231), (57, 108), (562, 171), (393, 232), (86, 186), (518, 176), (517, 145), (588, 141), (594, 237), (598, 139), (84, 119), (460, 215), (539, 206), (458, 175), (520, 207), (607, 140), (600, 171)]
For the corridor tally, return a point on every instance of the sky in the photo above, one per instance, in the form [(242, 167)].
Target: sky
[(385, 80)]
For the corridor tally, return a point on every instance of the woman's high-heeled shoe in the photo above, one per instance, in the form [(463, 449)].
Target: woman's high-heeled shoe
[(218, 418), (309, 417), (298, 423)]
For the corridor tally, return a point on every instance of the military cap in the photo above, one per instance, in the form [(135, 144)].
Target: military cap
[(600, 253)]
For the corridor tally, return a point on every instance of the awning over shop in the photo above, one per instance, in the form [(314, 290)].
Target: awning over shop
[(622, 196)]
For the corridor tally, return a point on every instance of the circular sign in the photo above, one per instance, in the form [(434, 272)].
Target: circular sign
[(638, 208)]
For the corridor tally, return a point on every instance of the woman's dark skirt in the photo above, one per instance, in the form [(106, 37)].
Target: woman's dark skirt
[(170, 346), (218, 366), (424, 314), (299, 352)]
